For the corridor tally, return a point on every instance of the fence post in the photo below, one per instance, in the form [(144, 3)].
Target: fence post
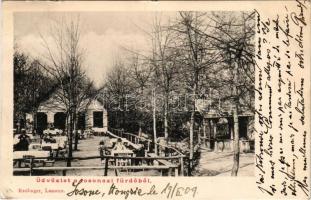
[(189, 166), (106, 167), (169, 171), (30, 171), (156, 148), (176, 171), (148, 149), (181, 166)]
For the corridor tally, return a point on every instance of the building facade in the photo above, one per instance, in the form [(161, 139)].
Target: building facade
[(52, 114)]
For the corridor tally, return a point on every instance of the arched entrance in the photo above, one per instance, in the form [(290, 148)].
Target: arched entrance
[(60, 120), (42, 120)]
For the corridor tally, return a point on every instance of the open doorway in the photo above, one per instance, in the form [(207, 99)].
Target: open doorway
[(60, 120), (42, 121), (98, 119)]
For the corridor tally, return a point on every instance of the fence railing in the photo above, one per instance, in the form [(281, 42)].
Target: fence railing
[(168, 158), (175, 165), (135, 139)]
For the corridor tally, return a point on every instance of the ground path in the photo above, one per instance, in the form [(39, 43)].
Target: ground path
[(220, 164)]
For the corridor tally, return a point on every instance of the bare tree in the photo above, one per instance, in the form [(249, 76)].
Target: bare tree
[(118, 86), (233, 35), (64, 57), (198, 58), (230, 37), (164, 61), (140, 73)]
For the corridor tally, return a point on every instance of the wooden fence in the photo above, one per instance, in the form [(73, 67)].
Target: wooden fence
[(176, 165), (151, 146)]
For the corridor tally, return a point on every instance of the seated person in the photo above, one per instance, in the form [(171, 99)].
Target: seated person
[(103, 149), (127, 145), (118, 146), (45, 137), (140, 152), (23, 144), (107, 142), (49, 139)]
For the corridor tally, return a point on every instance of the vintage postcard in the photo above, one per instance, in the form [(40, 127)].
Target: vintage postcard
[(149, 100)]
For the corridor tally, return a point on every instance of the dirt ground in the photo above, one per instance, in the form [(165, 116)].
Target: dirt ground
[(220, 164)]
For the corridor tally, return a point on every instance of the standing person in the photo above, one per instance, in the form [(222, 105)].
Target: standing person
[(140, 152), (101, 150), (162, 144)]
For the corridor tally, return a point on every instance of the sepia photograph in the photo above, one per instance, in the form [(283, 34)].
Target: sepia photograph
[(141, 93)]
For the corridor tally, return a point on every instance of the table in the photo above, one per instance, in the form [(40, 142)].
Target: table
[(34, 153), (34, 146), (52, 131), (123, 153), (100, 130), (87, 133), (54, 146), (61, 141)]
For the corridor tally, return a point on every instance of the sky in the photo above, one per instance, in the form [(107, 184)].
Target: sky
[(104, 35)]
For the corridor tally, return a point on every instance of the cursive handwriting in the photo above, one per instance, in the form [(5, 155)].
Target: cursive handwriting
[(169, 191), (280, 93)]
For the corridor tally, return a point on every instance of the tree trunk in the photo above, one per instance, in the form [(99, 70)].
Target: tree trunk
[(75, 122), (34, 122), (166, 119), (154, 124), (123, 113), (204, 130), (236, 146), (199, 136), (139, 130), (191, 140), (70, 126), (191, 146), (191, 134), (18, 131), (210, 133)]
